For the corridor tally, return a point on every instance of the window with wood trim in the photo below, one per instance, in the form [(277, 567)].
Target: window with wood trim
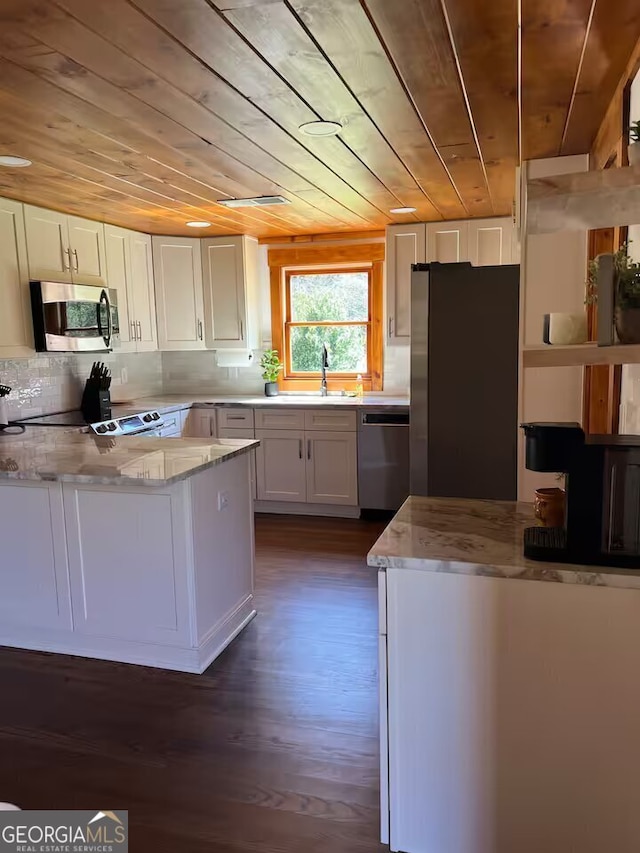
[(339, 306)]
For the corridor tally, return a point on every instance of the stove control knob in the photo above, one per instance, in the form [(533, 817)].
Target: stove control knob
[(101, 428), (147, 418), (156, 416), (111, 427)]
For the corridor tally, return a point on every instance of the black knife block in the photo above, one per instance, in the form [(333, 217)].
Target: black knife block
[(96, 402)]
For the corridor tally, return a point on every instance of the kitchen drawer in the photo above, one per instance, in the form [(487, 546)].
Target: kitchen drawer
[(279, 418), (230, 417), (343, 421)]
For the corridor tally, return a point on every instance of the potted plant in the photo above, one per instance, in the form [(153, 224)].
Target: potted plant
[(626, 289), (271, 367), (634, 144)]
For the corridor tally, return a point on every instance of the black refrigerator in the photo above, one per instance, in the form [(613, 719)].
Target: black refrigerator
[(464, 380)]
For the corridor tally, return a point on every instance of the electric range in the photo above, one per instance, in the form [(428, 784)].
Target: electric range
[(144, 423)]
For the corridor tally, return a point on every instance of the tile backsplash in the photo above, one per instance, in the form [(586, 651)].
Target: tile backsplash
[(53, 383), (198, 373)]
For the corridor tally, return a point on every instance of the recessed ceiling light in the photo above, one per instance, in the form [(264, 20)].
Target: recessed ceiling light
[(15, 162), (320, 128), (402, 210), (198, 224)]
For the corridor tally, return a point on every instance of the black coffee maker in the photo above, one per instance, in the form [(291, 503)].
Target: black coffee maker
[(602, 517)]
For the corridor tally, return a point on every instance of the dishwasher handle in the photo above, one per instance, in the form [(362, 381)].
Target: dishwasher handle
[(385, 418)]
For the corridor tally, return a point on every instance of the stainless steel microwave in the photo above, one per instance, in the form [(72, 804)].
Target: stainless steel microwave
[(74, 317)]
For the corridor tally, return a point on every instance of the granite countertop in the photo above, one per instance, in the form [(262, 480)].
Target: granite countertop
[(73, 456), (470, 537), (174, 402)]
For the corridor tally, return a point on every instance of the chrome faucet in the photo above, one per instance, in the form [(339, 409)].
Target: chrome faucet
[(325, 364)]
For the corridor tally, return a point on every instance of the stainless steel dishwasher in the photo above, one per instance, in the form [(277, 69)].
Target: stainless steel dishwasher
[(383, 458)]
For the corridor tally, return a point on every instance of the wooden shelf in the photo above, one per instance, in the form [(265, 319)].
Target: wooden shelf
[(583, 200), (580, 354)]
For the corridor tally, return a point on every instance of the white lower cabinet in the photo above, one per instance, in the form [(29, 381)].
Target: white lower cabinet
[(139, 573), (201, 423), (246, 432), (281, 465), (308, 466), (34, 579), (130, 580), (332, 474)]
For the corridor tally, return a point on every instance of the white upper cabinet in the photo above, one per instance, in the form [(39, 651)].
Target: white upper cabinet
[(231, 292), (406, 245), (481, 242), (179, 297), (130, 272), (86, 245), (16, 335), (491, 242), (143, 291), (119, 273), (64, 248), (447, 242), (47, 244)]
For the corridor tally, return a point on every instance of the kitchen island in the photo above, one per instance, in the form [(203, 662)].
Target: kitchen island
[(138, 550), (510, 695)]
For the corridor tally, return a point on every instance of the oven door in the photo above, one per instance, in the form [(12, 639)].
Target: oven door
[(74, 317)]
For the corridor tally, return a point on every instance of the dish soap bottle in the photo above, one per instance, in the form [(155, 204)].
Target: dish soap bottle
[(359, 387)]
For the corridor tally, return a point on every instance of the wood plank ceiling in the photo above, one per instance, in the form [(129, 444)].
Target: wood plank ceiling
[(145, 113)]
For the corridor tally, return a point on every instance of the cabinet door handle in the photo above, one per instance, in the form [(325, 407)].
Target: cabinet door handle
[(390, 327), (200, 329), (139, 325), (241, 330), (134, 334), (300, 448), (308, 448), (75, 255), (66, 252)]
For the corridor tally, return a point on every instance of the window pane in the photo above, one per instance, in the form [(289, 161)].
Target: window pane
[(347, 346), (329, 296)]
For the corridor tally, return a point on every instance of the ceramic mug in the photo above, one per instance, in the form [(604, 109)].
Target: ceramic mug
[(549, 507)]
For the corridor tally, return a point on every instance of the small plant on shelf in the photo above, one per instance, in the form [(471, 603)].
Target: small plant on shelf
[(271, 367), (626, 290), (634, 144)]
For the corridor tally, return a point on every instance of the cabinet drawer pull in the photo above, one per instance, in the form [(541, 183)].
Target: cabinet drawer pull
[(300, 448), (308, 448), (236, 418)]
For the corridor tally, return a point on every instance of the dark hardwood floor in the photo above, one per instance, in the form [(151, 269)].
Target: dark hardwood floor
[(273, 750)]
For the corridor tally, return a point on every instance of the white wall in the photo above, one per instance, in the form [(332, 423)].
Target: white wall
[(553, 277)]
